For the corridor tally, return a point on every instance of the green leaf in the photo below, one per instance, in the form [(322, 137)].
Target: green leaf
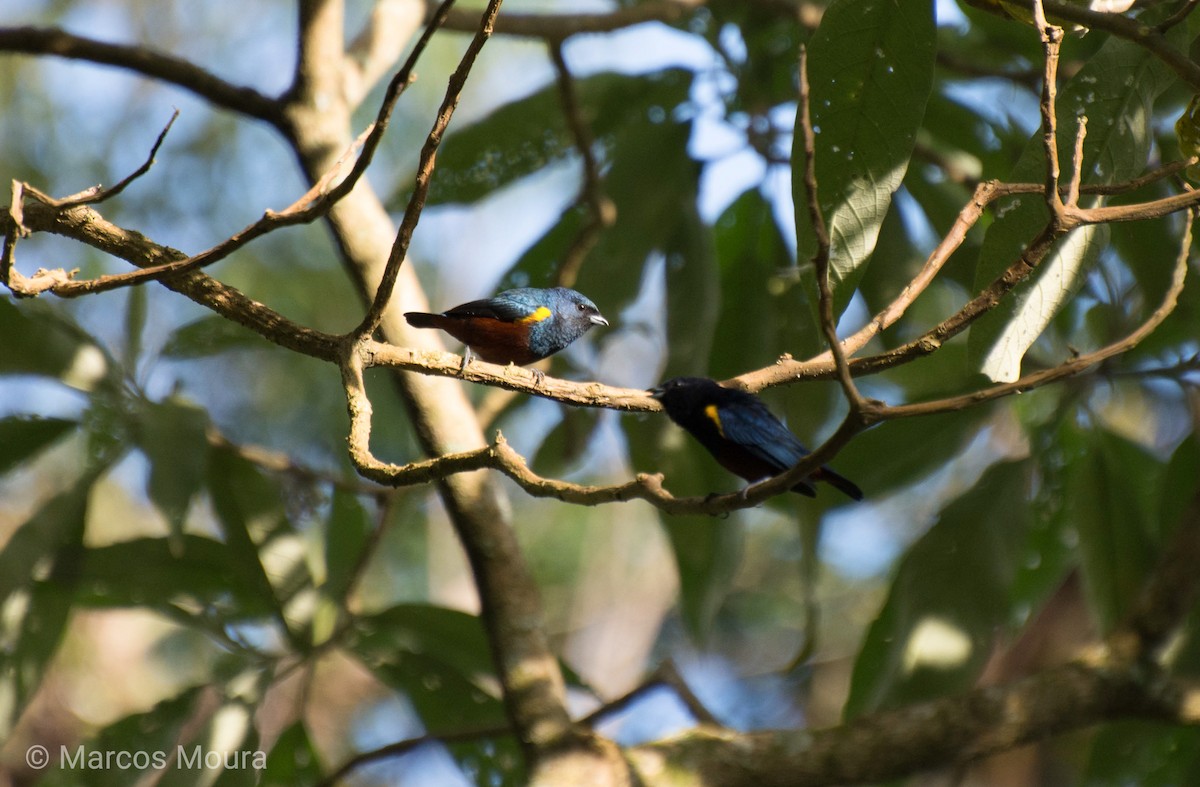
[(38, 340), (647, 218), (529, 134), (491, 762), (153, 734), (906, 450), (346, 534), (870, 71), (706, 549), (693, 291), (200, 572), (949, 594), (200, 760), (1111, 497), (293, 760), (436, 657), (763, 307), (451, 634), (57, 523), (444, 698), (1059, 276), (52, 538), (225, 478), (567, 442), (1116, 89), (23, 664), (1148, 754), (135, 324), (173, 435), (209, 336), (21, 437)]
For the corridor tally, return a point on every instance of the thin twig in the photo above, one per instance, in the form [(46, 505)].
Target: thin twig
[(1071, 367), (96, 194), (1179, 16), (601, 212), (821, 231), (316, 202), (1051, 38), (416, 202), (405, 746)]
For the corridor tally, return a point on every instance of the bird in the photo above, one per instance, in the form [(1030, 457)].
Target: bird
[(518, 326), (741, 433)]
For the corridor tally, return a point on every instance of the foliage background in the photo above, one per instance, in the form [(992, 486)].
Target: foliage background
[(156, 578)]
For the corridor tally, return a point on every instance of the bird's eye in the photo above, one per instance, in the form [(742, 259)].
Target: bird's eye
[(582, 308)]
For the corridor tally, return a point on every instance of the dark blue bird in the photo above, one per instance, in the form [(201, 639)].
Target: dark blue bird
[(740, 432), (516, 326)]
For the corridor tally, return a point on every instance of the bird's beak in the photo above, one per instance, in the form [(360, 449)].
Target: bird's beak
[(596, 319), (655, 392)]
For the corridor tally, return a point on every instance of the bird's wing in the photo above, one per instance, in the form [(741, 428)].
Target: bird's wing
[(502, 309), (754, 427)]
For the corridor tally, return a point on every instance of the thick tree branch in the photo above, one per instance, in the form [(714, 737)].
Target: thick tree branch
[(1122, 26), (141, 60), (556, 27), (892, 744)]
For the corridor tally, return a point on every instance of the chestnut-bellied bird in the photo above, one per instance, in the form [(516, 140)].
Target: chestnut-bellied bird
[(741, 433), (516, 326)]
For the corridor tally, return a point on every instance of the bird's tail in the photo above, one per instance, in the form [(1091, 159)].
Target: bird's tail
[(839, 482), (423, 319)]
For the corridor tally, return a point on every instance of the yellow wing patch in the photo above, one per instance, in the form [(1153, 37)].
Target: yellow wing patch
[(714, 416), (539, 314)]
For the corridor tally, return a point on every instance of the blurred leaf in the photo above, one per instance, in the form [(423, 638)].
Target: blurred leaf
[(135, 324), (346, 535), (765, 73), (209, 336), (293, 760), (950, 593), (49, 544), (237, 762), (225, 479), (649, 143), (1116, 89), (155, 732), (764, 310), (438, 632), (902, 452), (201, 572), (58, 523), (491, 762), (1180, 480), (693, 291), (706, 549), (444, 698), (22, 436), (38, 339), (1112, 495), (23, 665), (567, 441), (529, 134), (1144, 753), (870, 71), (173, 435)]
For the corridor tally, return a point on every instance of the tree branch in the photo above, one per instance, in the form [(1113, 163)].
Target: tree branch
[(141, 60), (416, 202)]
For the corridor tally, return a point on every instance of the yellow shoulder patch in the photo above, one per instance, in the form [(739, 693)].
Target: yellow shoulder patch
[(538, 315), (714, 416)]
